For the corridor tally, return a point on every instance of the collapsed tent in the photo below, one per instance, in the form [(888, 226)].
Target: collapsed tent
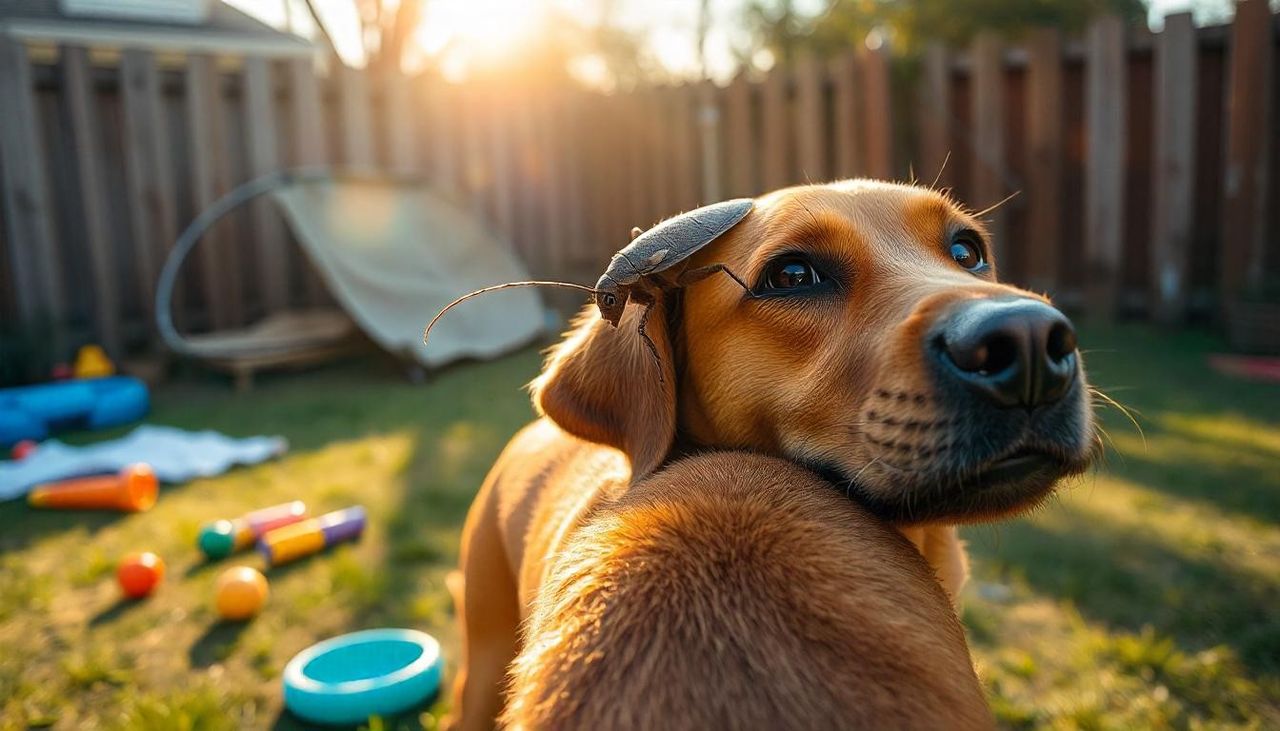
[(392, 253)]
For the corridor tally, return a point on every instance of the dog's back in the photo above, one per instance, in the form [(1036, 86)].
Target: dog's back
[(739, 591)]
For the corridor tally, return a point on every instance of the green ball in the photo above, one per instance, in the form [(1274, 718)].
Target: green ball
[(217, 539)]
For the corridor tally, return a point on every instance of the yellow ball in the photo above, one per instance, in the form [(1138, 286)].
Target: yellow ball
[(240, 592)]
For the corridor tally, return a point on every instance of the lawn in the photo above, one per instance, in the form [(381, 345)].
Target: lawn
[(1147, 595)]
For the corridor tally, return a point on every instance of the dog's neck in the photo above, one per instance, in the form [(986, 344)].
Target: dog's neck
[(943, 549)]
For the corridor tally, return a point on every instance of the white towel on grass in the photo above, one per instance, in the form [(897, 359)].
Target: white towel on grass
[(175, 456)]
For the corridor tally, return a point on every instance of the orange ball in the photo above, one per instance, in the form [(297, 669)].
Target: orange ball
[(240, 592), (139, 573)]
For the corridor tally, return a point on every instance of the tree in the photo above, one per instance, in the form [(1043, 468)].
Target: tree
[(777, 26)]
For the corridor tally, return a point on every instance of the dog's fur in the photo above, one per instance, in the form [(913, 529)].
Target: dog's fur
[(733, 590), (841, 380)]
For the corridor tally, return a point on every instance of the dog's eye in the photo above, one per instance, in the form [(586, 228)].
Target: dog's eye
[(790, 273), (966, 250)]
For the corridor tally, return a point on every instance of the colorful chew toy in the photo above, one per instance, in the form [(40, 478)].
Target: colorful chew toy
[(139, 573), (222, 538), (347, 679), (292, 542), (134, 489), (240, 593)]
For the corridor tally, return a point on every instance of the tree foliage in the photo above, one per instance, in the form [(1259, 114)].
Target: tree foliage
[(778, 26)]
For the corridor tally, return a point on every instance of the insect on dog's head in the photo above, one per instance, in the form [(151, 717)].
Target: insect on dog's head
[(878, 346), (610, 299)]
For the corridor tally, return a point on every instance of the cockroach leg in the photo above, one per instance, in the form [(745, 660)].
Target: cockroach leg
[(647, 301), (693, 276)]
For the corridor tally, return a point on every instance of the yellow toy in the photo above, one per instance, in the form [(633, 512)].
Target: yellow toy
[(240, 593), (92, 362)]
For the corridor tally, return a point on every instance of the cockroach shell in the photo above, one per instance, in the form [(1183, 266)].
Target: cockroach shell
[(676, 239)]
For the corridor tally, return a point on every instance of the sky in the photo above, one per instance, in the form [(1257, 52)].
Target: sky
[(669, 27)]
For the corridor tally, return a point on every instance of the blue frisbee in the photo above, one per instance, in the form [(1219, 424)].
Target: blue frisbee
[(347, 679)]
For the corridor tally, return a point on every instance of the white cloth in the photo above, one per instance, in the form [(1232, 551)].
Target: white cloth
[(175, 456)]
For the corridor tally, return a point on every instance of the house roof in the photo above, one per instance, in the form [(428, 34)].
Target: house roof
[(227, 30)]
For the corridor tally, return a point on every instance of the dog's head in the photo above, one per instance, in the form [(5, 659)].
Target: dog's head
[(876, 345)]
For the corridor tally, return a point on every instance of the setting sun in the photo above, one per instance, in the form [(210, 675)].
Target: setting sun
[(467, 32)]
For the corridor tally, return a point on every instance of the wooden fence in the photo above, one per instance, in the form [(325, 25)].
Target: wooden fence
[(1146, 163)]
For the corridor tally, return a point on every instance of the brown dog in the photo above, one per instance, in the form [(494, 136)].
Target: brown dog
[(875, 347), (731, 590)]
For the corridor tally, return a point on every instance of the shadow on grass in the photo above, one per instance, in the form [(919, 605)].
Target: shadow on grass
[(1126, 580), (216, 644), (121, 607), (409, 720)]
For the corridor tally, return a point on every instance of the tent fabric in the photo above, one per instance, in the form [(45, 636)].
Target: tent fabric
[(393, 254)]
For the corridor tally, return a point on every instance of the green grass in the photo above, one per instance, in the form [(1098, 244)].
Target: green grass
[(1147, 595)]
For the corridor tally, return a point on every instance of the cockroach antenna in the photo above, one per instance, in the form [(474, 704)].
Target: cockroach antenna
[(485, 290)]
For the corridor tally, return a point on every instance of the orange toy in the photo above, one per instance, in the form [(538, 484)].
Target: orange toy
[(240, 592), (134, 489), (139, 573)]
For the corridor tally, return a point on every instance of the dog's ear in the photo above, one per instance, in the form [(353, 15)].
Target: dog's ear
[(601, 384)]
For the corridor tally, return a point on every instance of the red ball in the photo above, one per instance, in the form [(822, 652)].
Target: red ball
[(23, 448), (139, 573)]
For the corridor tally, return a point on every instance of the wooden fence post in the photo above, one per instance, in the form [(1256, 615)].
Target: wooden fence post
[(987, 185), (35, 266), (688, 187), (87, 140), (709, 127), (148, 169), (933, 110), (1173, 178), (1104, 164), (1249, 128), (740, 143), (271, 266), (877, 112), (397, 116), (207, 139), (775, 145), (844, 111), (810, 122), (1045, 141), (310, 147), (356, 115)]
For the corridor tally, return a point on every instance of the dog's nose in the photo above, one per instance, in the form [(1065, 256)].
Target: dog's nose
[(1017, 351)]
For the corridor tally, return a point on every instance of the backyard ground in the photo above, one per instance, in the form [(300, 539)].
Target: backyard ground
[(1146, 596)]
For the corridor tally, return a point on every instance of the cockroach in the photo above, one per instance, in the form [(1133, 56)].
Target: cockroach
[(636, 273)]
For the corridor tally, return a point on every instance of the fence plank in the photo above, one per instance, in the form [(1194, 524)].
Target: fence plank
[(1104, 163), (710, 134), (739, 142), (1248, 132), (440, 103), (1045, 140), (844, 110), (776, 132), (210, 179), (664, 201), (87, 140), (148, 169), (810, 120), (877, 112), (688, 185), (398, 118), (355, 111), (1173, 178), (34, 263), (309, 146), (933, 110), (987, 185), (264, 157)]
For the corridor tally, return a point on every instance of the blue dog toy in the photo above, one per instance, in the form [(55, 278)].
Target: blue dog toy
[(347, 679), (34, 412)]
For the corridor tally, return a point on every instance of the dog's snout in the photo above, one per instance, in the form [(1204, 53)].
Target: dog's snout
[(1016, 351)]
